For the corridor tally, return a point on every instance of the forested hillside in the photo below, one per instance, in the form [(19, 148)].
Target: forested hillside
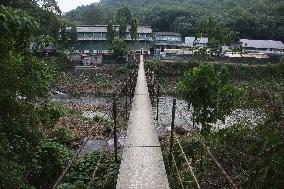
[(256, 19)]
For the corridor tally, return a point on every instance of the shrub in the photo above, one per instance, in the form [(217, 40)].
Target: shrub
[(64, 136), (50, 114), (48, 162), (80, 174)]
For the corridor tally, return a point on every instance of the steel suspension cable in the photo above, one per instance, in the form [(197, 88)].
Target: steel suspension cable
[(213, 158), (179, 176), (71, 162), (187, 162), (100, 158)]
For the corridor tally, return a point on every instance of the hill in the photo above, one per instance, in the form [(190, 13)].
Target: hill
[(256, 19)]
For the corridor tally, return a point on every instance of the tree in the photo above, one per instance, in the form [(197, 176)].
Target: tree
[(134, 31), (68, 36), (122, 28), (185, 25), (73, 34), (45, 12), (110, 35), (120, 49), (210, 94), (24, 89), (93, 15), (123, 13), (43, 41), (27, 5)]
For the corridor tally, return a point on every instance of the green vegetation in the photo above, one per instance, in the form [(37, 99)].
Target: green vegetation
[(25, 113), (250, 154), (253, 156), (117, 41), (79, 175), (210, 94), (38, 138), (34, 149), (250, 18)]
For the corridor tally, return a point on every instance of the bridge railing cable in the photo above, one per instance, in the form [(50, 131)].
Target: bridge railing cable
[(178, 173), (89, 135), (201, 140), (75, 157), (186, 159), (129, 84)]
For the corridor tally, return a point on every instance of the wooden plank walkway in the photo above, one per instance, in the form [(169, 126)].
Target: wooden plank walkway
[(142, 165)]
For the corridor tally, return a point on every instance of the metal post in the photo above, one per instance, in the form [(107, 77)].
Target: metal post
[(152, 77), (131, 86), (114, 130), (126, 100), (158, 95), (172, 132), (153, 87)]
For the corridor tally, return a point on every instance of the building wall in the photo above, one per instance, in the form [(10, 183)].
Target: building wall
[(101, 46)]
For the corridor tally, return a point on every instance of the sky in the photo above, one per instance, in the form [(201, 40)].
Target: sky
[(67, 5)]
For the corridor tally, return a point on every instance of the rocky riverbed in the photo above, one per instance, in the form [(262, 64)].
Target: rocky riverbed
[(86, 109), (82, 116), (183, 119)]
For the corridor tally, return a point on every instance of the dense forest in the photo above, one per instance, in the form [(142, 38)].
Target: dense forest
[(40, 136), (255, 19), (34, 150)]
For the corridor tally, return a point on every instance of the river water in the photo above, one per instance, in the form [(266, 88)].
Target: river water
[(249, 117), (183, 118)]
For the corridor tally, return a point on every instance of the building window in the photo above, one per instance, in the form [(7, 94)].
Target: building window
[(89, 34), (97, 34), (80, 34), (142, 35)]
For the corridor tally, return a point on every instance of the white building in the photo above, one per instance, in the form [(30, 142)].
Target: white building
[(196, 42), (264, 46)]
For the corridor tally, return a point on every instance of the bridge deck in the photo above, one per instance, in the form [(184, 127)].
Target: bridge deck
[(142, 166)]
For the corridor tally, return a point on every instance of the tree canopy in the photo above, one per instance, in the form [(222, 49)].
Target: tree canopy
[(251, 18), (24, 88), (210, 94)]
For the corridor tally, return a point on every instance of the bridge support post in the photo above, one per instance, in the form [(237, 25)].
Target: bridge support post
[(115, 127), (152, 87), (158, 95), (131, 86), (172, 132), (126, 100)]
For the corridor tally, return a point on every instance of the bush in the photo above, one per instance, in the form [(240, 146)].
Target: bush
[(236, 71), (49, 161), (11, 172), (80, 174), (50, 114), (252, 156), (64, 136)]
